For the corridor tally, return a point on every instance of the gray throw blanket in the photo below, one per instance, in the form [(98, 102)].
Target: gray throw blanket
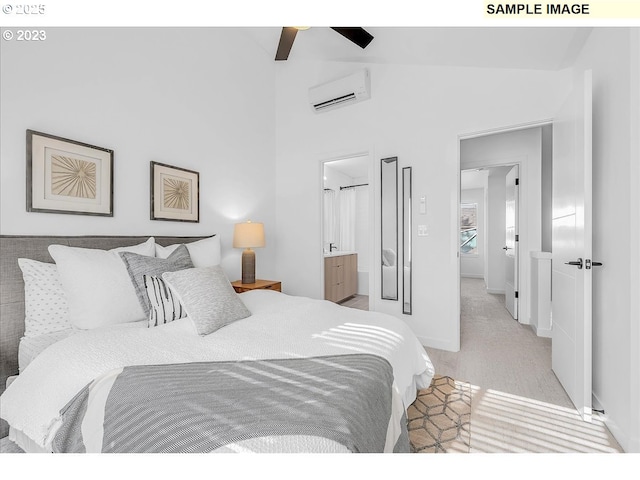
[(198, 407)]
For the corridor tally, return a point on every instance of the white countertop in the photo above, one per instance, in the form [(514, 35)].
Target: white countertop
[(337, 253)]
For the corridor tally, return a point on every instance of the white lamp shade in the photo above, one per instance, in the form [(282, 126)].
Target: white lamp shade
[(248, 235)]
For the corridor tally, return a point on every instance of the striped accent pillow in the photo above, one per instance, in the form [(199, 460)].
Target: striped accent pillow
[(165, 306)]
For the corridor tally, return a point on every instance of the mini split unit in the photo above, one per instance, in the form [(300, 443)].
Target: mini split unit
[(343, 91)]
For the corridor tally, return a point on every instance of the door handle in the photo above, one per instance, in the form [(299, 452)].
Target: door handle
[(577, 263), (588, 264), (505, 248)]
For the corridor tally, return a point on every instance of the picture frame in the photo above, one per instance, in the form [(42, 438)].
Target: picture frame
[(67, 176), (175, 193)]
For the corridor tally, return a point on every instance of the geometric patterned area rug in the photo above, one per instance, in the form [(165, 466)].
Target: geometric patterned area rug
[(440, 417)]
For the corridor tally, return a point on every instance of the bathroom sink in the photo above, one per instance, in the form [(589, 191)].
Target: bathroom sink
[(337, 253)]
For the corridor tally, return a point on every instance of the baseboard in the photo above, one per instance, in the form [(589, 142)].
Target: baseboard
[(438, 344), (495, 291), (541, 332), (617, 432)]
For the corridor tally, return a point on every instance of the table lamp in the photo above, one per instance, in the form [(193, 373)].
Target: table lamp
[(248, 235)]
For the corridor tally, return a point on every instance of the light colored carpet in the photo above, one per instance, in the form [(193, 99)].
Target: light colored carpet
[(518, 404), (497, 352)]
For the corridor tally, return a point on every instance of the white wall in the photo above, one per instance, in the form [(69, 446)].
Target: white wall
[(334, 179), (473, 265), (417, 114), (176, 96), (616, 108), (523, 147)]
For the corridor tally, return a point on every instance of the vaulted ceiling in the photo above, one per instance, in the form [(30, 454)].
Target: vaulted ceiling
[(539, 48)]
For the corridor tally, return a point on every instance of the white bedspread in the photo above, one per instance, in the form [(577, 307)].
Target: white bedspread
[(30, 347), (280, 326)]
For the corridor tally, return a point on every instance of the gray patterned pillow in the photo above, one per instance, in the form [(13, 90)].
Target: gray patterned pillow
[(165, 306), (140, 265), (207, 296)]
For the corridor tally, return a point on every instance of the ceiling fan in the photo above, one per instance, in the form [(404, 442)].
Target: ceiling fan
[(357, 35)]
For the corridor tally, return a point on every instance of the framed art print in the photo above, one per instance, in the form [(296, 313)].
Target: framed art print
[(174, 193), (66, 176)]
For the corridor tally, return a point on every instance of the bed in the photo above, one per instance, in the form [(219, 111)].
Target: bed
[(270, 373)]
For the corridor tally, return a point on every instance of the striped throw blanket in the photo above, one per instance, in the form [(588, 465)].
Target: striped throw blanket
[(199, 407)]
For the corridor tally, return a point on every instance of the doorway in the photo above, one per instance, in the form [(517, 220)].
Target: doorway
[(346, 230), (489, 230), (492, 155)]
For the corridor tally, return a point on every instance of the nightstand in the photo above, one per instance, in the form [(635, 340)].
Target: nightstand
[(240, 287)]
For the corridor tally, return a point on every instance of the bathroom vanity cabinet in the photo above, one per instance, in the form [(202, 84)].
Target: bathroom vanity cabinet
[(340, 276)]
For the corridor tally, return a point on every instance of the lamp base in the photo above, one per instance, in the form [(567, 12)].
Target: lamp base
[(248, 266)]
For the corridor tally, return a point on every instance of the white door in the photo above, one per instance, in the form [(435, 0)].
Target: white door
[(511, 243), (571, 245)]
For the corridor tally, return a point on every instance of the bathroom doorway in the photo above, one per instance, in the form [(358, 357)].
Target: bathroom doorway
[(346, 230)]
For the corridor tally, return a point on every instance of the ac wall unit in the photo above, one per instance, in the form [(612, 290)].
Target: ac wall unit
[(343, 91)]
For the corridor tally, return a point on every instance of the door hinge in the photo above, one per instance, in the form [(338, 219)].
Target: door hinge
[(516, 294), (517, 238), (517, 181)]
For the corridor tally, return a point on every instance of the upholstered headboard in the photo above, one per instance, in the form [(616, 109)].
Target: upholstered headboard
[(12, 284)]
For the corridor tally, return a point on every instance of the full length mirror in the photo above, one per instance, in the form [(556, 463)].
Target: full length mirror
[(389, 225), (406, 240)]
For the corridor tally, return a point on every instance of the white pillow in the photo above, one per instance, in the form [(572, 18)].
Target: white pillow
[(45, 304), (388, 257), (97, 285), (204, 253)]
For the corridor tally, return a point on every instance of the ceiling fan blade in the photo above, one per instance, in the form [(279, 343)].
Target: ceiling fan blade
[(357, 35), (287, 37)]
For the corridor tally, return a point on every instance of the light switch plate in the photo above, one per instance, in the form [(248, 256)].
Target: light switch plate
[(423, 205)]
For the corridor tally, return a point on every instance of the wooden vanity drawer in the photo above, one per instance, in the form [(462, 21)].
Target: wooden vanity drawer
[(340, 277)]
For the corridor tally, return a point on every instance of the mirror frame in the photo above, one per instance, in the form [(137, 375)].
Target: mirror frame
[(406, 241), (390, 223)]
